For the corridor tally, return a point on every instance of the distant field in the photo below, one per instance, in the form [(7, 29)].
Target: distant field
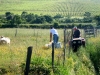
[(51, 7)]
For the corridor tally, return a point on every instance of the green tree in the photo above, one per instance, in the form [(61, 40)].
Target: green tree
[(16, 20), (23, 16), (39, 19), (8, 19), (58, 16), (56, 25), (30, 17), (87, 17), (87, 14), (48, 18), (68, 20), (97, 19), (9, 16)]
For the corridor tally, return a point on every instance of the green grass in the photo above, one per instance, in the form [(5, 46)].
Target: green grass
[(14, 55), (11, 56), (51, 7)]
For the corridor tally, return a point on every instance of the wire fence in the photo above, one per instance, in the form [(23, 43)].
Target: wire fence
[(11, 56)]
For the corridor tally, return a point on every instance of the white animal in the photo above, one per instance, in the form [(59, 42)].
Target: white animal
[(48, 45), (57, 45), (4, 40)]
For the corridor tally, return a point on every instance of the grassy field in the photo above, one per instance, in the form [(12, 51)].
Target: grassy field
[(51, 7), (14, 55)]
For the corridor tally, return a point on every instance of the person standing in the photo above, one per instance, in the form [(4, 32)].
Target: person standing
[(54, 35)]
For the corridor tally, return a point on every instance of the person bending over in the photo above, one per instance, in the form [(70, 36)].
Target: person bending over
[(54, 35)]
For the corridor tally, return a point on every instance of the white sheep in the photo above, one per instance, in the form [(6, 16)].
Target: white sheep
[(48, 45), (57, 45), (4, 40)]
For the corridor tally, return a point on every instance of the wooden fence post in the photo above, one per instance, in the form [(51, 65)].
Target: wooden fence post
[(70, 42), (16, 32), (53, 56), (28, 59), (84, 34), (64, 57)]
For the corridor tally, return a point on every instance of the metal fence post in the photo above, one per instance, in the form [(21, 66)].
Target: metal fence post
[(53, 56), (28, 59)]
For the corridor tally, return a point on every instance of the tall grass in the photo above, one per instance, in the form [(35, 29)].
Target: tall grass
[(94, 53), (13, 56)]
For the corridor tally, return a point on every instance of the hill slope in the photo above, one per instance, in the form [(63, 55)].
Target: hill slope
[(51, 7)]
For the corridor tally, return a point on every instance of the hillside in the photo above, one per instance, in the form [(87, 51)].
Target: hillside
[(51, 7)]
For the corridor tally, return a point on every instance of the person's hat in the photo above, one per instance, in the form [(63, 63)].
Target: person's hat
[(75, 27)]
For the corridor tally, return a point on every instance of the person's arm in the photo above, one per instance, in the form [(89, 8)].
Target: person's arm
[(50, 37)]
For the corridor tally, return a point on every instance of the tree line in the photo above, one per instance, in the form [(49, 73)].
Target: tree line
[(33, 20)]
